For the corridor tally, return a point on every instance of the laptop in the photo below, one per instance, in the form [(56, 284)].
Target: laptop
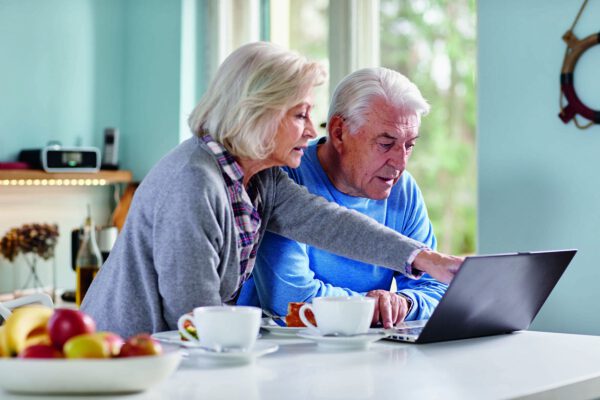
[(490, 295)]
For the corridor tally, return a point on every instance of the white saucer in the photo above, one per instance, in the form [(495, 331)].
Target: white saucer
[(275, 329), (242, 357), (173, 337), (344, 342), (170, 337)]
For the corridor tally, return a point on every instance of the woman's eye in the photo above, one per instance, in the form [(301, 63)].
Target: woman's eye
[(302, 115)]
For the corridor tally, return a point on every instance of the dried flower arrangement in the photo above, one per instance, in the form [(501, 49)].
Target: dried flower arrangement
[(39, 239)]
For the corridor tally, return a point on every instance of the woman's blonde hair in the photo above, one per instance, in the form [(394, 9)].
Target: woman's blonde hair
[(251, 92)]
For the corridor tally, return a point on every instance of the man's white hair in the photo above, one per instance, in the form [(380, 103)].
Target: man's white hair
[(251, 92), (354, 95)]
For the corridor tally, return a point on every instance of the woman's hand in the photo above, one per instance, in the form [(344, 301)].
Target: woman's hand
[(439, 266)]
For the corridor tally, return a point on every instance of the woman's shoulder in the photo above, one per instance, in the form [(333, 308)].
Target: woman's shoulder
[(188, 169)]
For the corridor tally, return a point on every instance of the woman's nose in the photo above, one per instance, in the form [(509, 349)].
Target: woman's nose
[(309, 130)]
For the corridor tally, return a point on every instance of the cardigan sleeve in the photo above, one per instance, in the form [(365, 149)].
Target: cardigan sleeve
[(307, 218)]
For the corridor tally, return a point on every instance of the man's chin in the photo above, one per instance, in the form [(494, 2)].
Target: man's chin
[(380, 195)]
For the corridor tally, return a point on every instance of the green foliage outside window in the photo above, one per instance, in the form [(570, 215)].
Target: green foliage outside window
[(433, 43)]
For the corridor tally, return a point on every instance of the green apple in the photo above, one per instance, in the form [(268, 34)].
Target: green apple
[(89, 345)]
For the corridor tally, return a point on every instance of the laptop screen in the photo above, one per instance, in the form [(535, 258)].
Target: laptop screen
[(495, 294)]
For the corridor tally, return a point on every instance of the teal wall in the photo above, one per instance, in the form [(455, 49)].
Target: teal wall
[(70, 68), (538, 178), (59, 72), (151, 81)]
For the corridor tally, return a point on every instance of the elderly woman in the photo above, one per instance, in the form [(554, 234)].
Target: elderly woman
[(197, 218)]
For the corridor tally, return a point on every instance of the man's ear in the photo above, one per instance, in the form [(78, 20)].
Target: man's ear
[(337, 125)]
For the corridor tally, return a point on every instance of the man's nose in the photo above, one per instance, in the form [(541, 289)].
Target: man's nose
[(398, 159)]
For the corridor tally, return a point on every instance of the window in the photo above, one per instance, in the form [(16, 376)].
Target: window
[(432, 42), (303, 26)]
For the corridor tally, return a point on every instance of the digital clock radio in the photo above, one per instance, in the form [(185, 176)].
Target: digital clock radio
[(62, 159)]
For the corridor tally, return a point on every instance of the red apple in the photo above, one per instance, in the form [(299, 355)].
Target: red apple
[(40, 351), (115, 342), (66, 323), (140, 345)]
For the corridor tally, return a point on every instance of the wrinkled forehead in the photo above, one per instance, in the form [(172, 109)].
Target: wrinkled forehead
[(394, 121), (394, 114)]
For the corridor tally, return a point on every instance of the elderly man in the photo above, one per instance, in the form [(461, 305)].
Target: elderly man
[(373, 125)]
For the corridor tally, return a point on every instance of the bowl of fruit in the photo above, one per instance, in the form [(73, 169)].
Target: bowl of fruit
[(59, 351)]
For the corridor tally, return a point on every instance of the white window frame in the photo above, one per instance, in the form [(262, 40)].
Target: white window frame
[(210, 31), (353, 37)]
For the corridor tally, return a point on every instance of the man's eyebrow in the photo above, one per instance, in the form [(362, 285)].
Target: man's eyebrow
[(386, 135)]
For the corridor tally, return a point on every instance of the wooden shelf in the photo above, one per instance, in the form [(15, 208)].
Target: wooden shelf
[(33, 177)]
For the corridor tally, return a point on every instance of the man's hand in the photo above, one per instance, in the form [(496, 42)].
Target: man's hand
[(439, 266), (390, 308)]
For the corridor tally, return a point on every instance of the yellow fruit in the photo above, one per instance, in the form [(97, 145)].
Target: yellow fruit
[(2, 341), (20, 324), (88, 345), (38, 336)]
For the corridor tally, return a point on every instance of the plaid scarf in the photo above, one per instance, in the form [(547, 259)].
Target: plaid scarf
[(247, 218)]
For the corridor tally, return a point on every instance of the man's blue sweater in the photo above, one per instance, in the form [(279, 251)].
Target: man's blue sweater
[(287, 271)]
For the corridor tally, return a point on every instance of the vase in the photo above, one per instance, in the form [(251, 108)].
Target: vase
[(34, 275)]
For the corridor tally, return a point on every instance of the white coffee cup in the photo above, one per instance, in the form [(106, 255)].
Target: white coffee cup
[(344, 315), (223, 327)]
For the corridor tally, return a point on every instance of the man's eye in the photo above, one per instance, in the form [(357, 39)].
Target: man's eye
[(386, 146), (409, 146)]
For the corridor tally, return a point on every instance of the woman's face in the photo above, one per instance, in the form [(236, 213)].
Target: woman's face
[(294, 132)]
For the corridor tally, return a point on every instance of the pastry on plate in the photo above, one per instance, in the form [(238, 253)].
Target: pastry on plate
[(292, 319)]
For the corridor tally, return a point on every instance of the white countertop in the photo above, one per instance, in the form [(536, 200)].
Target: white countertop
[(523, 364)]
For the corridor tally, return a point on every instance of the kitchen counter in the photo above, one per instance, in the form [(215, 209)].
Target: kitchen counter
[(531, 365)]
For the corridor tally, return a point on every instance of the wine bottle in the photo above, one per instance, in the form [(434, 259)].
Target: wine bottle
[(88, 260)]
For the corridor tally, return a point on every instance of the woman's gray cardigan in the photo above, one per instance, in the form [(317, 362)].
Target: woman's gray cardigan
[(178, 249)]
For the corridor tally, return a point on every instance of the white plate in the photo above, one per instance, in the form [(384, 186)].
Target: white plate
[(260, 349), (173, 337), (272, 327), (344, 342), (86, 376)]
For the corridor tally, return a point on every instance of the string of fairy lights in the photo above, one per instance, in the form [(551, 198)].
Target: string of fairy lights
[(53, 182)]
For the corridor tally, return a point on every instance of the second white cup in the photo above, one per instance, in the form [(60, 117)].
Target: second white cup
[(344, 315)]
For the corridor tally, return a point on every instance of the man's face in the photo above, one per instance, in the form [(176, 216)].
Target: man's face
[(374, 156)]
